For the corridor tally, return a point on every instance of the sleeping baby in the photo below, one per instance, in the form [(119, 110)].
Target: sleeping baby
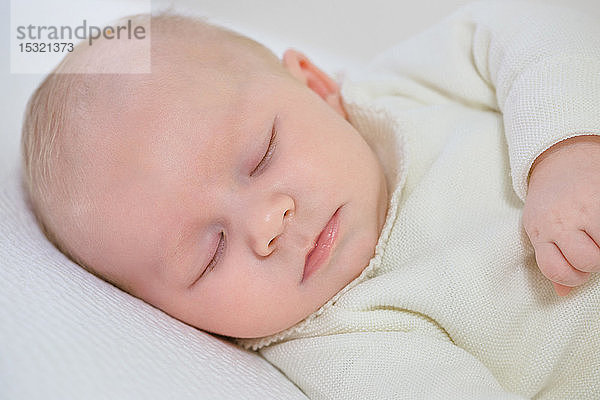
[(427, 228)]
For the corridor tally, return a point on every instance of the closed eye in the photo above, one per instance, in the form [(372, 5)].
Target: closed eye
[(215, 259), (269, 152)]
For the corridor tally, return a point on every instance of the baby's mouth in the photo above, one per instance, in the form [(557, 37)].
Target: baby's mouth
[(321, 250)]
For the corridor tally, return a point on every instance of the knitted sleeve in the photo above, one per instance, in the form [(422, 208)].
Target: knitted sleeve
[(538, 65), (384, 365)]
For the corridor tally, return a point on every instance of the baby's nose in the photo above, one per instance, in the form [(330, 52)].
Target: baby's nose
[(271, 223)]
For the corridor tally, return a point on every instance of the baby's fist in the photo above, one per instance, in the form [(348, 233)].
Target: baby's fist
[(562, 211)]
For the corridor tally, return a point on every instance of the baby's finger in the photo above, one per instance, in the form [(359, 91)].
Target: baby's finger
[(561, 290), (555, 267), (580, 251)]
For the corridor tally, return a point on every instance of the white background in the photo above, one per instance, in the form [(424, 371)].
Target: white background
[(336, 34)]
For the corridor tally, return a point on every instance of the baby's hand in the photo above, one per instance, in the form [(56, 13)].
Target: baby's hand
[(562, 211)]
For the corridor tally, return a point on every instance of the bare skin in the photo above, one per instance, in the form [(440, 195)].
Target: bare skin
[(562, 211), (198, 215)]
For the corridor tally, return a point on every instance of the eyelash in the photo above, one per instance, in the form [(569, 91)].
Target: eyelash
[(217, 256), (268, 154)]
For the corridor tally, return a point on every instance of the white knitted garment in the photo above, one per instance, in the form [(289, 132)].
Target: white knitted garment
[(453, 305)]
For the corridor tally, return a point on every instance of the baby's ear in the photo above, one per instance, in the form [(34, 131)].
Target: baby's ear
[(301, 68)]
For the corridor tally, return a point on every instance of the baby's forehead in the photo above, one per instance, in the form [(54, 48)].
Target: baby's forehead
[(214, 65), (132, 115), (198, 85)]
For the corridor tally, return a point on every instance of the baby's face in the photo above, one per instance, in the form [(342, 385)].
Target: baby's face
[(212, 193)]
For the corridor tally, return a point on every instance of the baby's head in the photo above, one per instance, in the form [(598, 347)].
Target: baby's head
[(203, 186)]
